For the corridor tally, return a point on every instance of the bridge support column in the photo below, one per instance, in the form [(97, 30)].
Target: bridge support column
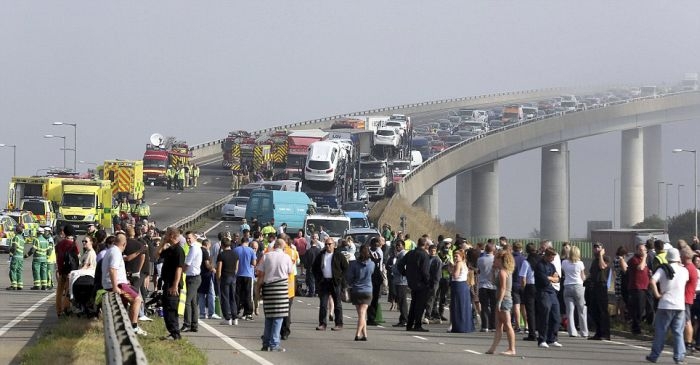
[(484, 199), (463, 217), (632, 178), (652, 170), (429, 201), (554, 195)]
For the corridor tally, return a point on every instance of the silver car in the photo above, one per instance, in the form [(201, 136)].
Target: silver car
[(234, 209)]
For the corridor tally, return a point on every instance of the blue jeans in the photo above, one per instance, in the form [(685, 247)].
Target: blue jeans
[(227, 288), (663, 319), (206, 300), (271, 336), (548, 317)]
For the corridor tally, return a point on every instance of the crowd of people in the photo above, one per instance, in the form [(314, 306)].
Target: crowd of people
[(495, 286)]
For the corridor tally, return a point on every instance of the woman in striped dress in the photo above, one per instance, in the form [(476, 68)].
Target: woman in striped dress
[(273, 284)]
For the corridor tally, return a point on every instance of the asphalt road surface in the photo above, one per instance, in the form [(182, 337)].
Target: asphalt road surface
[(387, 345)]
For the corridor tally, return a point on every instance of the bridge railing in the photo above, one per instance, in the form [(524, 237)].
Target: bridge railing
[(194, 219), (121, 343), (473, 139), (213, 147)]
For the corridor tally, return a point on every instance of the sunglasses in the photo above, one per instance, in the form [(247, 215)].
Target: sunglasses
[(84, 241)]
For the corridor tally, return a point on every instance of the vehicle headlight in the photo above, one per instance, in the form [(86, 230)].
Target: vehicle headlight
[(60, 216), (90, 217)]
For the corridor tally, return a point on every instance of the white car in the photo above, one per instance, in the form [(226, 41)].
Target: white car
[(399, 125), (322, 161), (235, 208), (386, 136)]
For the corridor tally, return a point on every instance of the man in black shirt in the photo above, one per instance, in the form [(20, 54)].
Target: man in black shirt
[(415, 265), (173, 257), (226, 275), (600, 270)]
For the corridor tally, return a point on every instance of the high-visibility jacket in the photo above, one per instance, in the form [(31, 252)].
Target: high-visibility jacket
[(17, 247), (181, 174), (170, 173), (267, 230), (124, 207), (143, 210), (196, 171), (409, 245), (51, 257), (41, 247)]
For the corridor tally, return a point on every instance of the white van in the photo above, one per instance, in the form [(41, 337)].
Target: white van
[(322, 161), (416, 159)]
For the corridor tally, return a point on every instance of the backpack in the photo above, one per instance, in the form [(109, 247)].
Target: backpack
[(70, 262)]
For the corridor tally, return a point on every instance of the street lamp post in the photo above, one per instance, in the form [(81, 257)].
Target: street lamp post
[(678, 207), (64, 146), (695, 183), (75, 142), (667, 216), (14, 156)]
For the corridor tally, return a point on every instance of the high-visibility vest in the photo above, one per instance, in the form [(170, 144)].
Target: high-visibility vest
[(144, 210), (41, 247), (181, 174), (18, 246), (125, 207)]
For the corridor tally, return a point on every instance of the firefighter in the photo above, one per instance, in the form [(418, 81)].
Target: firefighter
[(143, 210), (170, 175), (235, 181), (39, 249), (181, 178), (195, 172), (16, 260), (186, 180), (50, 259)]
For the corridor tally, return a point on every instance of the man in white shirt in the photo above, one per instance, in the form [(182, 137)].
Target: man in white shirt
[(193, 279), (672, 278), (114, 279)]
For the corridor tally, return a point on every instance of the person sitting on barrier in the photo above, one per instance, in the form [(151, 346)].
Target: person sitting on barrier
[(114, 279)]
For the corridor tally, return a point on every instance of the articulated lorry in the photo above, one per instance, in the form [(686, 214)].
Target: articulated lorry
[(298, 147), (377, 178)]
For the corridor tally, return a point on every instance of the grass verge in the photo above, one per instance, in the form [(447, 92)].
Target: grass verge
[(81, 341)]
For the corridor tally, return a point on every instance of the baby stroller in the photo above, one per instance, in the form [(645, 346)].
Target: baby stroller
[(82, 297)]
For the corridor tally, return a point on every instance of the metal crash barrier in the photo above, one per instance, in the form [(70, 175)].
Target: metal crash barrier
[(121, 342)]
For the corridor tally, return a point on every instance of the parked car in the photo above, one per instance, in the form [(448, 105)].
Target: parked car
[(356, 206), (235, 208), (7, 232)]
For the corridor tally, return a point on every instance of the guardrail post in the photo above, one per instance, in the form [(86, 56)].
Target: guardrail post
[(121, 343)]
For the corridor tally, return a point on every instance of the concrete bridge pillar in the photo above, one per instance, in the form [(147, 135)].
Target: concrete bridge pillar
[(429, 201), (554, 196), (463, 217), (484, 199), (632, 178), (652, 170)]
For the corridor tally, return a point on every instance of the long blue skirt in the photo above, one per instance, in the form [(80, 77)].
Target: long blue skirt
[(461, 307)]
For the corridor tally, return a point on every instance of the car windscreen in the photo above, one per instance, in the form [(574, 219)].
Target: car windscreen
[(35, 207), (358, 223), (333, 227), (385, 132), (78, 200)]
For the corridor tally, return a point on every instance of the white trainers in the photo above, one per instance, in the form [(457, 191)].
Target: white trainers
[(215, 316), (145, 319), (426, 321), (555, 344), (235, 322), (543, 345), (226, 322), (140, 332)]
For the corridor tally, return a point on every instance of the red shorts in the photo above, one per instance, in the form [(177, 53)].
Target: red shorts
[(129, 294)]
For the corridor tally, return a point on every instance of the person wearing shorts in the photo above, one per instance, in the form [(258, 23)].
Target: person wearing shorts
[(114, 279), (503, 265), (359, 280)]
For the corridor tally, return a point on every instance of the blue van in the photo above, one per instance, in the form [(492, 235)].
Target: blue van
[(358, 220), (288, 207)]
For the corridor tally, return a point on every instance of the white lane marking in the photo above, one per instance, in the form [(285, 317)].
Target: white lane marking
[(168, 198), (211, 162), (299, 301), (179, 193), (212, 227), (441, 343), (24, 314), (255, 357), (348, 317), (380, 326), (154, 204), (420, 338), (473, 352), (217, 178), (645, 348)]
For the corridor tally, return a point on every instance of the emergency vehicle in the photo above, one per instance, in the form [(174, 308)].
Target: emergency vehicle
[(126, 177)]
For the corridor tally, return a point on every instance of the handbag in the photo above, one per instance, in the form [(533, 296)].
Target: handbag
[(345, 295)]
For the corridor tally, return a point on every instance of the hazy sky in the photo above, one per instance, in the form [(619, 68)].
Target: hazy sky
[(123, 70)]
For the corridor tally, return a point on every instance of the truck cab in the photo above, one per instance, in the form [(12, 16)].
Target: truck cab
[(43, 210), (377, 177), (85, 202), (333, 221)]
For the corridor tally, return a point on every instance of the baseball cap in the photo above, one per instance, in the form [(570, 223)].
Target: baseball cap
[(40, 229), (448, 240), (672, 255)]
